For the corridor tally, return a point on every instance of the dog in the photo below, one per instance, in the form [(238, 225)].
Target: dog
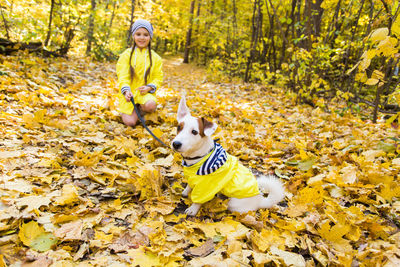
[(210, 170)]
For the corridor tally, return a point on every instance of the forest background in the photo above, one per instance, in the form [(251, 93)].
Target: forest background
[(321, 50), (307, 90)]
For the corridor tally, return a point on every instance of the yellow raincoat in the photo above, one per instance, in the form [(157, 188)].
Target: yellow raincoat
[(140, 62), (231, 179)]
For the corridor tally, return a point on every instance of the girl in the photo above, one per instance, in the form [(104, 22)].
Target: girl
[(139, 71)]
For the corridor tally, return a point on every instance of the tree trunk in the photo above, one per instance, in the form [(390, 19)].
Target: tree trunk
[(271, 37), (68, 35), (388, 9), (289, 26), (277, 22), (189, 34), (91, 28), (50, 20), (333, 22), (129, 35), (234, 27), (5, 24), (206, 49), (376, 103), (348, 50), (307, 18), (111, 20), (196, 30), (254, 37), (317, 16)]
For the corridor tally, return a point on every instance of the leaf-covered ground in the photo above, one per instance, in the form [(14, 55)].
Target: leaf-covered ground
[(79, 188)]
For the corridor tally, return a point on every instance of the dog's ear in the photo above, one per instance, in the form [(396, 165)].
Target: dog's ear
[(208, 127), (183, 110)]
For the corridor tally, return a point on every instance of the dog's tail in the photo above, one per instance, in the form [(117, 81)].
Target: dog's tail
[(275, 189)]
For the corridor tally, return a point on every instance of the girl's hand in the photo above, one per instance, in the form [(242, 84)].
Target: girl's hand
[(128, 95), (144, 89)]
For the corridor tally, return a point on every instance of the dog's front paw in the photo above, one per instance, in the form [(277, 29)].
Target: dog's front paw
[(193, 209), (186, 191)]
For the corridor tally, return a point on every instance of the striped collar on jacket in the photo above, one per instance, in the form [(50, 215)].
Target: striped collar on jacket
[(216, 158)]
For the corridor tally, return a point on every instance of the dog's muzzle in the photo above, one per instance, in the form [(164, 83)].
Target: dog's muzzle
[(176, 145)]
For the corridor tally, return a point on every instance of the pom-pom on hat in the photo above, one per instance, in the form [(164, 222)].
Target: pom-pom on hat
[(142, 23)]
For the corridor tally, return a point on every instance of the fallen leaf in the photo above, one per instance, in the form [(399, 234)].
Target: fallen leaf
[(289, 258), (201, 251), (33, 202), (28, 232), (41, 261), (68, 196), (70, 231)]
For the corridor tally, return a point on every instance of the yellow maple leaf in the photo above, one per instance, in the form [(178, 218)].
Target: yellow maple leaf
[(149, 182), (390, 190), (166, 162), (233, 247), (100, 235), (333, 233), (132, 161), (143, 258), (227, 227), (29, 121), (157, 132), (289, 258), (267, 238), (69, 195), (33, 202), (87, 159), (28, 232), (303, 154), (354, 234), (310, 195), (349, 174)]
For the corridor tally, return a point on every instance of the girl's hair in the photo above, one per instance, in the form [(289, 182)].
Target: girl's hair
[(132, 70)]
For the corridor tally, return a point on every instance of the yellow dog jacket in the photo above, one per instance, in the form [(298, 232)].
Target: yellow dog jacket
[(219, 172)]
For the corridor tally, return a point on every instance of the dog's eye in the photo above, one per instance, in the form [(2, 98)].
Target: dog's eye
[(179, 128), (194, 132)]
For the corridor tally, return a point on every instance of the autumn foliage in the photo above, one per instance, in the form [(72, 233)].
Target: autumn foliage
[(79, 187), (323, 50), (306, 90)]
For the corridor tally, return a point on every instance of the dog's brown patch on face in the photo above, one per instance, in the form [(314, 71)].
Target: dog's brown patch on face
[(201, 126), (180, 127), (204, 124)]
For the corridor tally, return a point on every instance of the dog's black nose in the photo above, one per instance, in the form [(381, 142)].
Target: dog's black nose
[(176, 145)]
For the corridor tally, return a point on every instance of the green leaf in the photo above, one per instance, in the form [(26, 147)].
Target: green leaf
[(44, 242), (292, 162), (306, 165), (218, 238), (388, 148), (281, 175)]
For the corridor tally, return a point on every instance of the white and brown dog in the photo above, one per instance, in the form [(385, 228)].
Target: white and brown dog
[(210, 170)]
